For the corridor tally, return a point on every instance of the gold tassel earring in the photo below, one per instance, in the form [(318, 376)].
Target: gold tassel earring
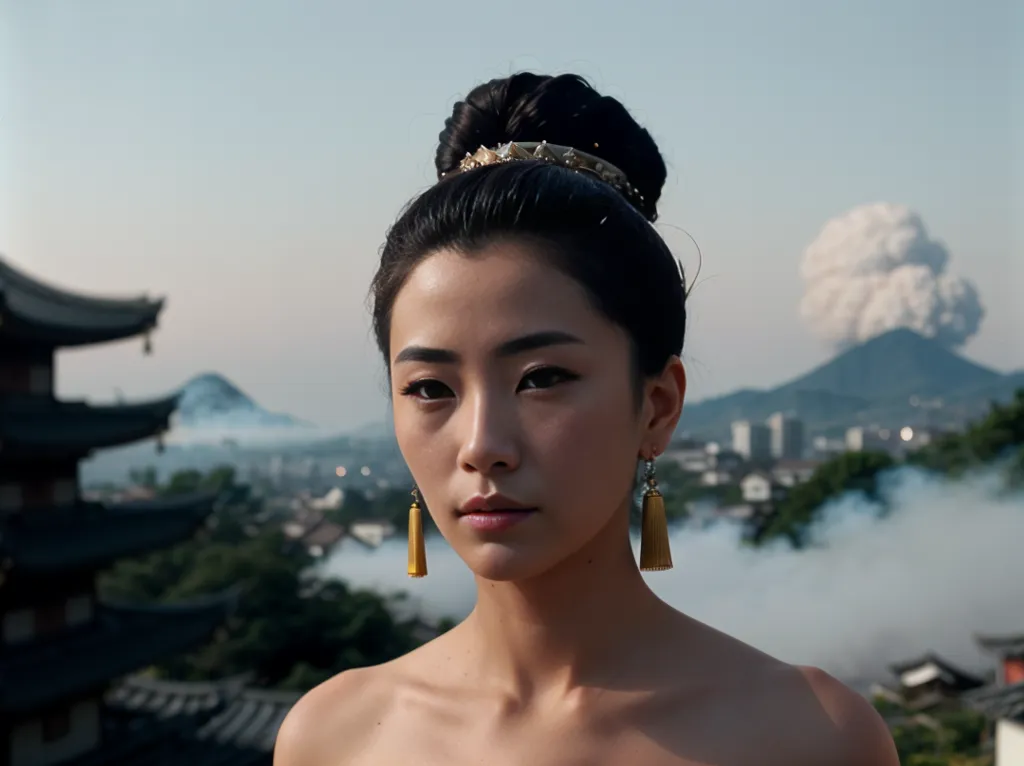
[(655, 554), (417, 548)]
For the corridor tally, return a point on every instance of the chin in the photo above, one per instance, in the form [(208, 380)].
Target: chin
[(506, 563)]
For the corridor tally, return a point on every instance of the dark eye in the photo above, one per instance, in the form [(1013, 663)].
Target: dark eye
[(545, 377), (427, 390)]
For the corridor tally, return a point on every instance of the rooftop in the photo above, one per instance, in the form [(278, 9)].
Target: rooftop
[(38, 312), (33, 426), (119, 640), (92, 534), (998, 701), (1004, 645)]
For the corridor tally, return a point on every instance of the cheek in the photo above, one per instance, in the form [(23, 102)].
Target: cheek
[(588, 449), (416, 440)]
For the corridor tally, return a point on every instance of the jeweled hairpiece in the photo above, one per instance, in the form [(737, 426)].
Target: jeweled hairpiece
[(566, 156)]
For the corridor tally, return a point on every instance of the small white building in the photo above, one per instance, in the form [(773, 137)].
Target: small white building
[(371, 533), (761, 487), (715, 478), (692, 458), (789, 473), (1009, 743)]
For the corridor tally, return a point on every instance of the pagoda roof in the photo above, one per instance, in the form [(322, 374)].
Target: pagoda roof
[(153, 739), (119, 640), (998, 701), (929, 667), (241, 716), (152, 722), (37, 312), (37, 426), (1005, 645), (92, 534)]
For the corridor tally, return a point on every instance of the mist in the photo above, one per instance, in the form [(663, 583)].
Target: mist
[(944, 564)]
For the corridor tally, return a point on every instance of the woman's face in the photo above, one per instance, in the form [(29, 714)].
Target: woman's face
[(507, 382)]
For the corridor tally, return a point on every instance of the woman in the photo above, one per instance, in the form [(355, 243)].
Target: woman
[(532, 321)]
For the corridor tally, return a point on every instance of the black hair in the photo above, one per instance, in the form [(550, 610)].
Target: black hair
[(584, 226)]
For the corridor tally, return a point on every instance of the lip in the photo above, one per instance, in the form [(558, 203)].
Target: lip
[(494, 513), (492, 504)]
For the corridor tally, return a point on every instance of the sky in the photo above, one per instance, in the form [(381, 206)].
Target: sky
[(244, 159)]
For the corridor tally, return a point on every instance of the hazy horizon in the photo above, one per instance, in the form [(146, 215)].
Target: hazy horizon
[(925, 578), (245, 160)]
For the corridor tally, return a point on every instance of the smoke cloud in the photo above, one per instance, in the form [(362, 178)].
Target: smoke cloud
[(943, 565), (876, 269)]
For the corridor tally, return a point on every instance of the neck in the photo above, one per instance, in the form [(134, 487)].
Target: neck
[(565, 628)]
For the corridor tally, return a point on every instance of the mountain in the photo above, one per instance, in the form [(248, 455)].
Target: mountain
[(872, 382), (211, 407), (897, 363)]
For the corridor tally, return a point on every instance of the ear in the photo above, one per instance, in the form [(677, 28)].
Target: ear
[(663, 404)]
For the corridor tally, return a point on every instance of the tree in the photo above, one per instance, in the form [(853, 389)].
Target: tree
[(849, 472), (289, 629), (990, 439)]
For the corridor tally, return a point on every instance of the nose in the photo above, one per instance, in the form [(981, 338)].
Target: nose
[(489, 441)]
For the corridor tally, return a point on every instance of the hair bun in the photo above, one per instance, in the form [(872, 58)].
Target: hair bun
[(562, 109)]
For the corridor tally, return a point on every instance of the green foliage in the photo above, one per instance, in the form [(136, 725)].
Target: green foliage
[(849, 472), (951, 738), (998, 435), (290, 630), (190, 480)]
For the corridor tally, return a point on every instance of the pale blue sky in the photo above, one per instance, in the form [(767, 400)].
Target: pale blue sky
[(245, 159)]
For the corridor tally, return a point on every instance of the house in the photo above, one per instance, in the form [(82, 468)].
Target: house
[(789, 473), (930, 682), (1003, 701), (371, 533), (1009, 653), (1005, 706), (725, 460), (761, 487), (715, 478), (689, 456), (319, 540)]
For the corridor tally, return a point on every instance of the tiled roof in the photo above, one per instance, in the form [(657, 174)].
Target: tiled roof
[(998, 701), (234, 725), (118, 641), (40, 312), (91, 534)]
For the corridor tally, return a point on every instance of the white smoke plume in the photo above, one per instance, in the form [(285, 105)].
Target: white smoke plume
[(943, 565), (875, 269)]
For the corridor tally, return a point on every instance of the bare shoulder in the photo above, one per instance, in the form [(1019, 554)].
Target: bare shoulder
[(853, 734), (783, 713), (335, 720), (346, 717)]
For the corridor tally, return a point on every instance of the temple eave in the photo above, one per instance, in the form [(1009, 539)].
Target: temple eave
[(118, 641), (32, 428), (91, 535), (1012, 643), (64, 336), (998, 701), (37, 312)]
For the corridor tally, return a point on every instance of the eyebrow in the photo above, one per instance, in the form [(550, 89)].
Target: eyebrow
[(513, 347)]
